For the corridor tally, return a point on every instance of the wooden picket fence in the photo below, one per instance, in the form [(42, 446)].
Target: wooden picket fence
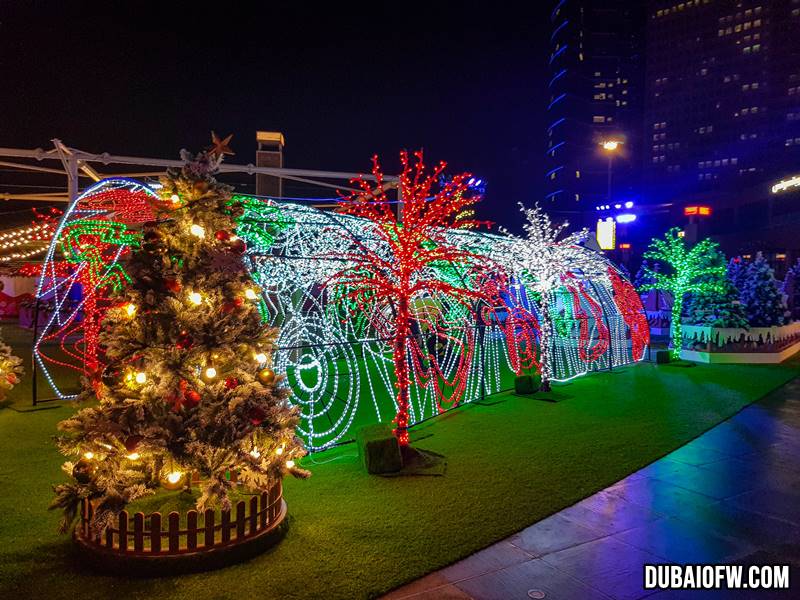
[(152, 535)]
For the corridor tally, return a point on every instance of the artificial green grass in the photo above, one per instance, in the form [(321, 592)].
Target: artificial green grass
[(511, 462)]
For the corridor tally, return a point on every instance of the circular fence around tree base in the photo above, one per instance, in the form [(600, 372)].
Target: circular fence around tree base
[(148, 545)]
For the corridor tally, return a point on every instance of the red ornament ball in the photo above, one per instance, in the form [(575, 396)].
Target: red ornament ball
[(185, 341), (256, 415), (222, 235), (231, 382), (192, 398), (173, 285), (132, 442)]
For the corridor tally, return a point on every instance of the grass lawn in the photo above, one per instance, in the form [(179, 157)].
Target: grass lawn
[(512, 461)]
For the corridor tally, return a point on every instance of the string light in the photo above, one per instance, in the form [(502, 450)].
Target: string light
[(293, 250), (195, 298), (197, 231), (85, 250), (250, 294), (211, 372), (141, 377), (88, 455), (130, 309), (289, 464), (133, 456)]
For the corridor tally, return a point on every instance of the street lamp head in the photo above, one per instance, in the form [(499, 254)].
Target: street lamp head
[(610, 145)]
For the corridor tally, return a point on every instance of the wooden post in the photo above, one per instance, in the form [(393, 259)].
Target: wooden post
[(209, 525), (123, 531), (155, 533), (191, 530), (253, 517), (264, 509), (240, 519), (226, 526), (138, 532), (174, 520)]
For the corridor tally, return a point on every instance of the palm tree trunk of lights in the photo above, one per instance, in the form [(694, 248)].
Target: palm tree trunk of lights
[(402, 332), (610, 160), (676, 329), (545, 333)]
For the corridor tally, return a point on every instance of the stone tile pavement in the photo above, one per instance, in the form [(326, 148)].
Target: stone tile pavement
[(732, 495)]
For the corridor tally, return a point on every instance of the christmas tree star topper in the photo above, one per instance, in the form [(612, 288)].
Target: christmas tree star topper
[(220, 147)]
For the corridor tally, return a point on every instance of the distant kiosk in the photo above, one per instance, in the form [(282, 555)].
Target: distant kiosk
[(269, 154)]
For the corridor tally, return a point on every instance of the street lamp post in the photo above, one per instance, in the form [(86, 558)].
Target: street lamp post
[(610, 146)]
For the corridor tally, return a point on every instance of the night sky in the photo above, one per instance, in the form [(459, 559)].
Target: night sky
[(466, 82)]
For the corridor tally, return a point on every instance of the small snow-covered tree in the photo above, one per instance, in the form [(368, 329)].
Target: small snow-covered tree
[(737, 271), (763, 301), (720, 308), (791, 289), (641, 275)]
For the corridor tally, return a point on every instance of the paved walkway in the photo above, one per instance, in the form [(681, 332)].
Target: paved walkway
[(732, 495)]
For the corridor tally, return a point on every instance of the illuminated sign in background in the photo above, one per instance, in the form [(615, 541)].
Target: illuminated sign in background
[(607, 234), (702, 211), (786, 184)]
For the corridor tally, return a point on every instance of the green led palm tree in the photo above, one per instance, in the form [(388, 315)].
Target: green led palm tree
[(683, 270)]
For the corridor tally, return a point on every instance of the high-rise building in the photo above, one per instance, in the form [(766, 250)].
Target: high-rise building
[(595, 95), (722, 115)]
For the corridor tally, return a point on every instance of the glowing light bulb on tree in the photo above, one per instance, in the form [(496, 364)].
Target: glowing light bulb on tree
[(133, 456), (250, 294), (130, 309), (289, 464), (261, 358), (211, 373), (197, 231), (141, 377), (195, 298)]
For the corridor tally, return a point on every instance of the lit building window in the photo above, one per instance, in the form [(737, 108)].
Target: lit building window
[(598, 119)]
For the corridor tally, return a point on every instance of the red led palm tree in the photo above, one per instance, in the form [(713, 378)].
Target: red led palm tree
[(383, 280)]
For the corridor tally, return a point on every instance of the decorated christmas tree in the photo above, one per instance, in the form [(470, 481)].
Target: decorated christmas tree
[(720, 308), (187, 391), (10, 369), (763, 301)]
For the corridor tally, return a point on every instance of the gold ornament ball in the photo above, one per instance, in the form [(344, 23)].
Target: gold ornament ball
[(83, 471), (266, 376)]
